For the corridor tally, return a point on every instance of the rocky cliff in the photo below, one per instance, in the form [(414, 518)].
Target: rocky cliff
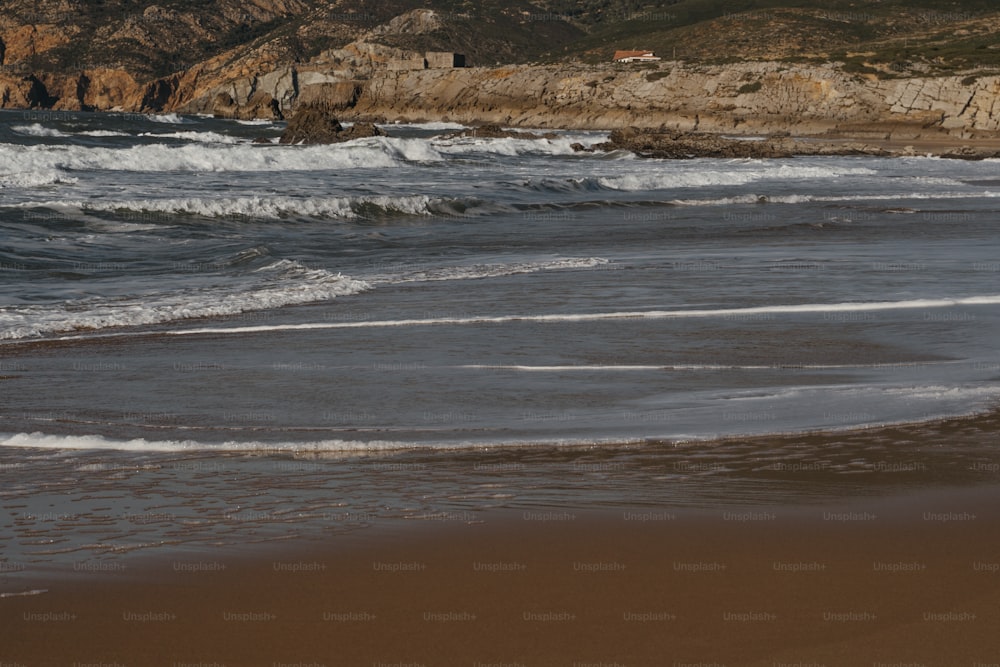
[(740, 98), (764, 97), (369, 69)]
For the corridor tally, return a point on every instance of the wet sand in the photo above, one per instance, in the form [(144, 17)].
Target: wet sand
[(877, 581)]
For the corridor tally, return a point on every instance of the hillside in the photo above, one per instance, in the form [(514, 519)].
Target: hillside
[(885, 37), (182, 54)]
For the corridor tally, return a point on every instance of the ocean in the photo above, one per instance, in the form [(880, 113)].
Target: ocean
[(210, 341)]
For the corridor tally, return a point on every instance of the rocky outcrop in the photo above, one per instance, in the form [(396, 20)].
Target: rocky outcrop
[(26, 41), (25, 92), (744, 98), (260, 105), (98, 89), (334, 95), (414, 22), (312, 125), (675, 144), (496, 132)]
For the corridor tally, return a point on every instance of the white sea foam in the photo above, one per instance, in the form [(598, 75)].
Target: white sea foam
[(260, 207), (281, 283), (431, 126), (115, 227), (682, 367), (479, 271), (661, 178), (169, 118), (800, 199), (28, 593), (334, 447), (509, 147), (211, 151), (201, 157), (38, 130), (285, 282), (104, 133), (202, 137), (34, 179), (96, 442), (622, 316), (256, 121)]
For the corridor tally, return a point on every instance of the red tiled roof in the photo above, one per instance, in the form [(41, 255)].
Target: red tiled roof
[(632, 54)]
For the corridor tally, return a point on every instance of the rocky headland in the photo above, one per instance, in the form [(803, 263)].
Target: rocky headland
[(373, 77)]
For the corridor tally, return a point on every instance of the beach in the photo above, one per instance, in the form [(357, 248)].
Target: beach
[(897, 580), (795, 566), (439, 399)]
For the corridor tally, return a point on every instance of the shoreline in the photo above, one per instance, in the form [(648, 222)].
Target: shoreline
[(885, 579), (672, 143)]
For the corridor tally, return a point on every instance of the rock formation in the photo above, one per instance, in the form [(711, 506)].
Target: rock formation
[(493, 131), (313, 125), (743, 98), (359, 78), (675, 144)]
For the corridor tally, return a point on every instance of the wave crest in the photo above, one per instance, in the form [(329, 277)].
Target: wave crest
[(282, 283)]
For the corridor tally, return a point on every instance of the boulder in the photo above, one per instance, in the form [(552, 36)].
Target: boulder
[(315, 125), (361, 131)]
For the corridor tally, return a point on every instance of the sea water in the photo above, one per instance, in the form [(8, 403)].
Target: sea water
[(174, 295)]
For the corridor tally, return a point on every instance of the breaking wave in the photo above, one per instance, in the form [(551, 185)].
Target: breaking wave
[(676, 178), (479, 271), (344, 208), (722, 313), (37, 130), (281, 283), (34, 179)]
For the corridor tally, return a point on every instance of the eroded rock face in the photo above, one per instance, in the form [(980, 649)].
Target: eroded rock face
[(260, 105), (23, 93), (23, 42), (742, 98), (314, 125)]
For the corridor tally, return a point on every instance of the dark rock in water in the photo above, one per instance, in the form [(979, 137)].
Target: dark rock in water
[(675, 144), (492, 131), (970, 153), (314, 125), (262, 140), (360, 131)]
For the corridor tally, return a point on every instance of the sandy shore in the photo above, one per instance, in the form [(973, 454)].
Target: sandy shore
[(900, 580)]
